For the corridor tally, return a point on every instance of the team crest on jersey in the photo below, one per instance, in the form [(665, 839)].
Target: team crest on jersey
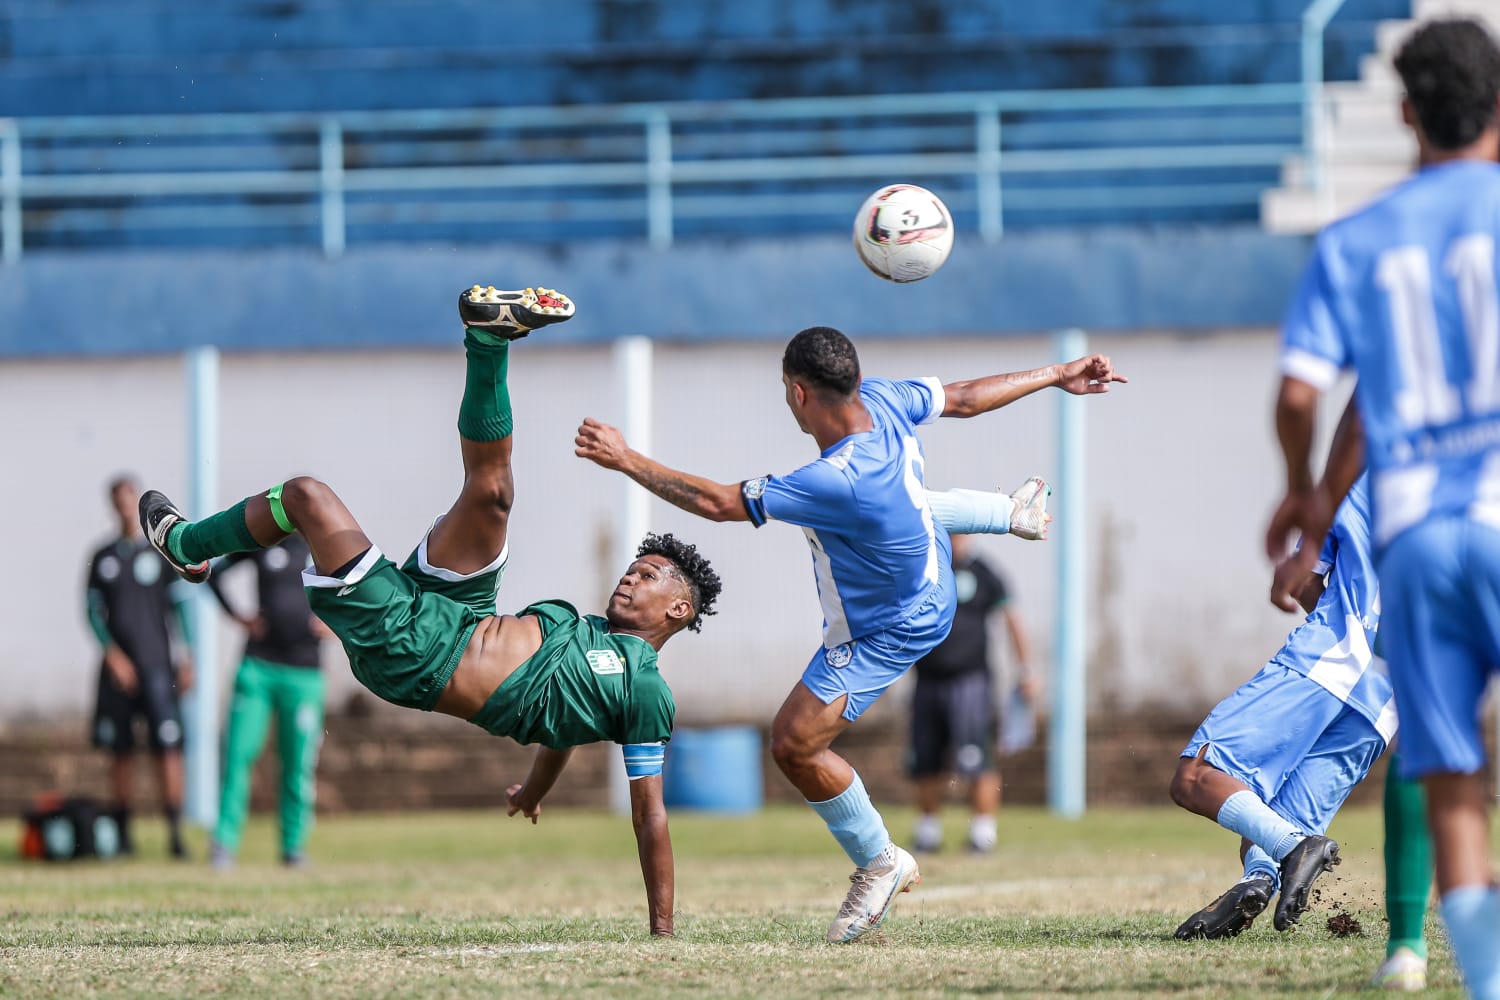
[(839, 656), (147, 568), (604, 661), (109, 568), (756, 488)]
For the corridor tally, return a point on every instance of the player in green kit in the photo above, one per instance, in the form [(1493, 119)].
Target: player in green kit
[(427, 634)]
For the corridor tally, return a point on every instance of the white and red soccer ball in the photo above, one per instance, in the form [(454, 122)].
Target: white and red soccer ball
[(903, 232)]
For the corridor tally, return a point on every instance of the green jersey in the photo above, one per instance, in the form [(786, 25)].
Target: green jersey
[(584, 684)]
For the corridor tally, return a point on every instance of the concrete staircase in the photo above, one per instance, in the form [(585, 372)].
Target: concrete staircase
[(1366, 148)]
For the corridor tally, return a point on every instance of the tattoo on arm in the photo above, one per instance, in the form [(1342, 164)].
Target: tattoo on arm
[(672, 488)]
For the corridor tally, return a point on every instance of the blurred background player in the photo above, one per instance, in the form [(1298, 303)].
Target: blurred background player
[(133, 607), (880, 554), (1275, 760), (1405, 293), (277, 678), (1408, 881), (953, 704)]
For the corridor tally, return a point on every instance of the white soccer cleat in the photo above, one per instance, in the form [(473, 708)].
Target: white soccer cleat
[(1029, 518), (872, 892), (1405, 971)]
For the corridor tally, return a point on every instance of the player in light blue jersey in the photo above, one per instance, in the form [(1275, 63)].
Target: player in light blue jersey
[(881, 555), (1405, 293), (1279, 783)]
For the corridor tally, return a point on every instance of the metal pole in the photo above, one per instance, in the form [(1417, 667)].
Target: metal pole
[(1068, 733), (659, 180), (10, 191), (331, 182), (202, 715), (987, 179), (1315, 20), (632, 362)]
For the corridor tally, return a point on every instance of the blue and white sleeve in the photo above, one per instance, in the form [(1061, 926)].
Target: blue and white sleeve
[(818, 496), (644, 760), (1313, 348), (921, 399)]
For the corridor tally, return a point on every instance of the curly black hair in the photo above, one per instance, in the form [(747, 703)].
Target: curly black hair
[(1451, 71), (691, 567), (824, 357)]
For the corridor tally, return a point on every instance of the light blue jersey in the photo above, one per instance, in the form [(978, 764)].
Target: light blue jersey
[(1404, 293), (877, 554), (1334, 647)]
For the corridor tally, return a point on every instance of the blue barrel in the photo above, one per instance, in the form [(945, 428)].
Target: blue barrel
[(715, 770)]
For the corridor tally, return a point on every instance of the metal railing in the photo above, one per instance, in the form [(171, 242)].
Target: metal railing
[(660, 171)]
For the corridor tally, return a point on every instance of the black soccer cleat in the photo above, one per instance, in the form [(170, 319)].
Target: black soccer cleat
[(512, 315), (1303, 864), (1231, 913), (158, 515)]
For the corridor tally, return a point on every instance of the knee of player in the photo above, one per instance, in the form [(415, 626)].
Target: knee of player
[(498, 490), (1184, 783), (789, 750), (304, 495)]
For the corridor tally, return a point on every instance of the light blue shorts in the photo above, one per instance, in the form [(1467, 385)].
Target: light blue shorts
[(863, 668), (1300, 748), (1440, 633)]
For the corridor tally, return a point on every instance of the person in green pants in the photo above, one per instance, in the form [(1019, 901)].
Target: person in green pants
[(1408, 882), (278, 677)]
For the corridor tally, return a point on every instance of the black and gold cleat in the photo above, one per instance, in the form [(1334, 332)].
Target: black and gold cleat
[(512, 315), (1231, 913), (1313, 856), (158, 515)]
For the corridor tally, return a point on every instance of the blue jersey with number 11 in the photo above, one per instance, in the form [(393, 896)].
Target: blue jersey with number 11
[(876, 552), (1404, 292)]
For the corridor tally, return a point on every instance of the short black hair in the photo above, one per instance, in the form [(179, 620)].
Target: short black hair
[(1451, 71), (702, 582), (824, 357), (121, 481)]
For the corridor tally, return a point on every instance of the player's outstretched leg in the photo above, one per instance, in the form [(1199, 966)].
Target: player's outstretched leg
[(1232, 912), (470, 538), (303, 505), (973, 512), (1313, 855)]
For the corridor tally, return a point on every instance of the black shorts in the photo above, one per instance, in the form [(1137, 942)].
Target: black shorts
[(952, 725), (155, 701)]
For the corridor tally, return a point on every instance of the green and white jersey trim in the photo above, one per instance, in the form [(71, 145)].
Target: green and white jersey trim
[(310, 577), (448, 575)]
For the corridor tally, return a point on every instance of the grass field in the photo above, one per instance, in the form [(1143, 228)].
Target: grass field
[(475, 904)]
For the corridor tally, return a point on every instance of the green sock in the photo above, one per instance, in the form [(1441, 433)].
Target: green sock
[(216, 535), (484, 414), (1408, 861)]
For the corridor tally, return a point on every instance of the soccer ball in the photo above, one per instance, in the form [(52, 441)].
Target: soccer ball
[(903, 232)]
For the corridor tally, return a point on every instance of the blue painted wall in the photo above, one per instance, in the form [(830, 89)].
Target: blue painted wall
[(1103, 279), (137, 56)]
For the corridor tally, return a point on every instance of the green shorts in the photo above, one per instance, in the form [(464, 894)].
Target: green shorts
[(404, 629)]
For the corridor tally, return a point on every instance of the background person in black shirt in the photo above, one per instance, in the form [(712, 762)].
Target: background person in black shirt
[(953, 707), (278, 677), (131, 595)]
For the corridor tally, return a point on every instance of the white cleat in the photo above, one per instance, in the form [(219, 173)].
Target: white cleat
[(1405, 971), (872, 892), (1029, 518)]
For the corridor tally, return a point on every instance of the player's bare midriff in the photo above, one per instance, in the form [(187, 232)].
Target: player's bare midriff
[(498, 646)]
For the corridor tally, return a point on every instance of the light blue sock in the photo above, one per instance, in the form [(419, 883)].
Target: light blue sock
[(854, 823), (1245, 814), (1258, 863), (1472, 913), (971, 512)]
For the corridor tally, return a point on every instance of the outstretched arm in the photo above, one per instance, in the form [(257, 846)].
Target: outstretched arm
[(526, 798), (653, 841), (605, 445), (1085, 376)]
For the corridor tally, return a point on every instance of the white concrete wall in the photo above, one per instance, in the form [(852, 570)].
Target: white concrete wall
[(1182, 466)]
